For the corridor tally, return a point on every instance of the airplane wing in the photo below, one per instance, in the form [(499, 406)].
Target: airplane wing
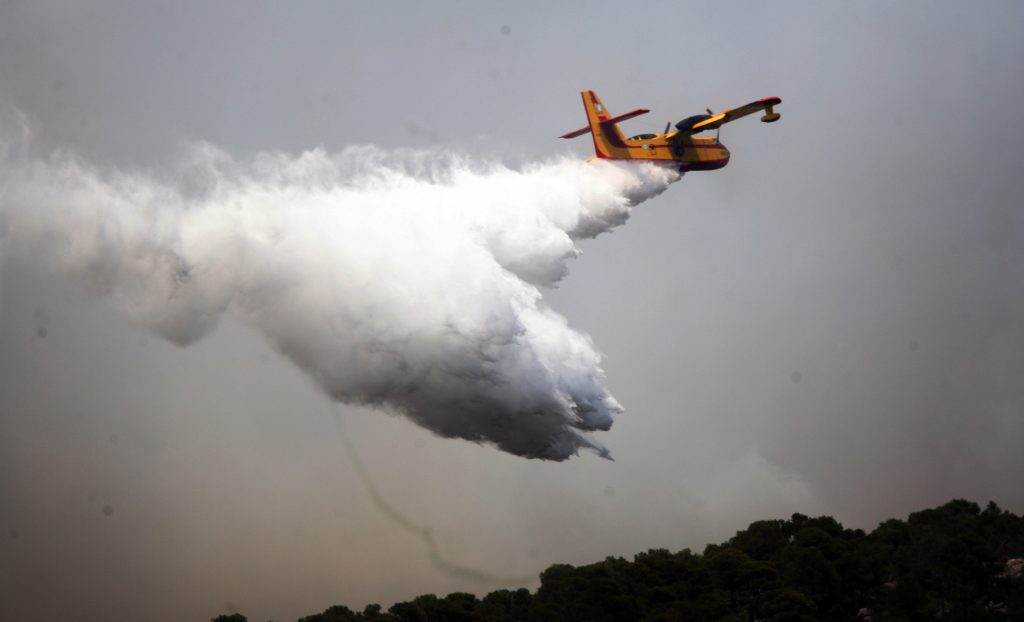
[(717, 120)]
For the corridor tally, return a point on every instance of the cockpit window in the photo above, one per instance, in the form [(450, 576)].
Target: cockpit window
[(643, 137)]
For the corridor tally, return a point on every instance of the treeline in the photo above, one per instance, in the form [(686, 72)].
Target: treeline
[(954, 562)]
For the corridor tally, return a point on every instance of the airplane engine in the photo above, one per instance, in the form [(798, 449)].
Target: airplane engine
[(687, 123)]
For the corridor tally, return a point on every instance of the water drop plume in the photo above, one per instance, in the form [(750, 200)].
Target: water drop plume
[(409, 281)]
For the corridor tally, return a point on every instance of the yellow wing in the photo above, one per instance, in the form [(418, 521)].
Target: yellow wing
[(717, 120)]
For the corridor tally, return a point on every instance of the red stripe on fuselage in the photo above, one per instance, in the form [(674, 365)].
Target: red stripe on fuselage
[(682, 165)]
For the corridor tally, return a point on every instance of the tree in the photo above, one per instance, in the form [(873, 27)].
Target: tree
[(955, 561)]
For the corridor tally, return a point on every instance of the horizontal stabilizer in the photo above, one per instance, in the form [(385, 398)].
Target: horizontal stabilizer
[(607, 122), (623, 117), (575, 133)]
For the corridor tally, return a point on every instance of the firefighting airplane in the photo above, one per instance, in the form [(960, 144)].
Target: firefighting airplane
[(679, 148)]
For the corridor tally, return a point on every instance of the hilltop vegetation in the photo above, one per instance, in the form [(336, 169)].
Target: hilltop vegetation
[(954, 562)]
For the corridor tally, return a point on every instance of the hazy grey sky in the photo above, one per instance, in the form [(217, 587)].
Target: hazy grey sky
[(831, 324)]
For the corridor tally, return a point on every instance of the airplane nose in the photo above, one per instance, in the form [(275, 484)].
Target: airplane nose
[(724, 155)]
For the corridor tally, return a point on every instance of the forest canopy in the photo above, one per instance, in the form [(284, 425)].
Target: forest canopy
[(956, 561)]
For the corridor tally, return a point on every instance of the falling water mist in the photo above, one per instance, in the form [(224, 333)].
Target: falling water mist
[(404, 280)]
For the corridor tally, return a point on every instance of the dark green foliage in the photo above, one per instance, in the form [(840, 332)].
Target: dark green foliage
[(337, 613), (456, 607), (947, 563)]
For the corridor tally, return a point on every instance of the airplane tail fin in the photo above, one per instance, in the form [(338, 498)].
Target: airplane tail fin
[(602, 125)]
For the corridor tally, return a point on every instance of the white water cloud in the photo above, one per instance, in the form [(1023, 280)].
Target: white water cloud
[(405, 280)]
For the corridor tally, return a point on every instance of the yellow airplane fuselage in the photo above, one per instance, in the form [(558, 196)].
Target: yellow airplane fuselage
[(678, 148), (696, 153), (689, 153)]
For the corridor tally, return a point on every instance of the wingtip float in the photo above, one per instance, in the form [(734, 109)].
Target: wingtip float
[(678, 148)]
